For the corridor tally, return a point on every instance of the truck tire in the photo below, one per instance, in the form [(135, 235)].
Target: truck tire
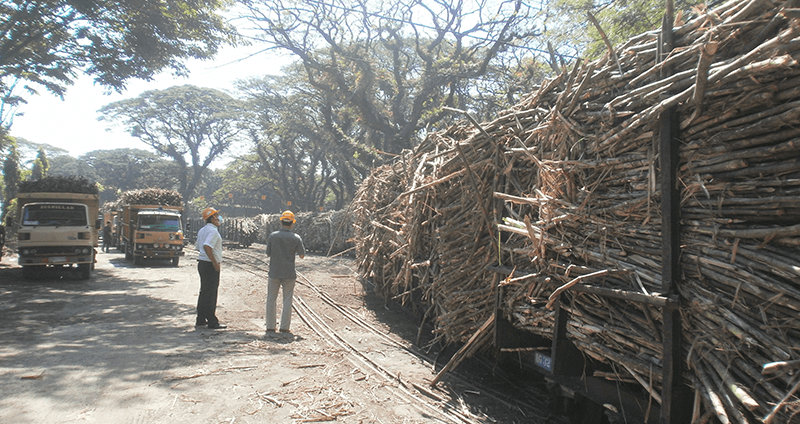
[(85, 271), (175, 261), (128, 254), (137, 260)]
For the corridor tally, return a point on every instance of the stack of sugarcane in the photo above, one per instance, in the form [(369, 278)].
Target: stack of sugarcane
[(151, 196), (59, 184), (321, 231), (248, 231), (111, 206), (564, 189)]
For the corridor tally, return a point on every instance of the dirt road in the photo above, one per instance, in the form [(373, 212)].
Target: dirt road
[(122, 348)]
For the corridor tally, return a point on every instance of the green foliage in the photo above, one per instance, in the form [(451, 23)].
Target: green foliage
[(122, 170), (67, 165), (11, 174), (570, 28), (9, 213), (118, 170), (28, 150), (40, 165), (240, 183), (46, 43), (193, 126), (304, 149)]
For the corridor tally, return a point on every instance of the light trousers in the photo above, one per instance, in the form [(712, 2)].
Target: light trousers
[(287, 285)]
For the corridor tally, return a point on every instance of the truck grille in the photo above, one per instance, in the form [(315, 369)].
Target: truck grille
[(54, 250)]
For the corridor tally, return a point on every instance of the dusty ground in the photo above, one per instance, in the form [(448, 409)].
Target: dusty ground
[(122, 348)]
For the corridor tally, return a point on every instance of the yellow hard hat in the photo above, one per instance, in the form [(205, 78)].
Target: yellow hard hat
[(288, 216), (207, 212)]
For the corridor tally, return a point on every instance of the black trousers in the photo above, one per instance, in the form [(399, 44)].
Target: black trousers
[(209, 286)]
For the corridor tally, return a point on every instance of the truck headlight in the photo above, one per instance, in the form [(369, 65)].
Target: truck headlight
[(156, 245)]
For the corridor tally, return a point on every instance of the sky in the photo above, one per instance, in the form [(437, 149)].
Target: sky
[(72, 124)]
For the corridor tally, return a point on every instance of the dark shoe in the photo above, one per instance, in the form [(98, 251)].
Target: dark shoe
[(217, 326)]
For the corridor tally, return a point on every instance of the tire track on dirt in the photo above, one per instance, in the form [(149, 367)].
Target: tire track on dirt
[(415, 388)]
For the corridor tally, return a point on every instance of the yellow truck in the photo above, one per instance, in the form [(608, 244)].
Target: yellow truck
[(57, 230), (151, 231)]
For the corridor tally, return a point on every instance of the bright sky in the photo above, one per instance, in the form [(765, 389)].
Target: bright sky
[(72, 124)]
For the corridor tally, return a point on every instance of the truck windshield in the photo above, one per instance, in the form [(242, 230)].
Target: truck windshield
[(159, 223), (54, 215)]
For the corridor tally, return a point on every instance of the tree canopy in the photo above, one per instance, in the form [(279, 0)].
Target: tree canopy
[(569, 26), (393, 65), (46, 43), (304, 149), (193, 126), (122, 170), (11, 178), (40, 165)]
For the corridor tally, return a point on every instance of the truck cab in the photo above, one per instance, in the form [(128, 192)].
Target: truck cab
[(153, 233), (56, 234)]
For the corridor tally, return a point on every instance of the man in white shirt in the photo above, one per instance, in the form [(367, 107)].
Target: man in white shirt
[(209, 245)]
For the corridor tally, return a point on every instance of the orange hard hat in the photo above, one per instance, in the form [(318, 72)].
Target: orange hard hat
[(288, 216), (207, 212)]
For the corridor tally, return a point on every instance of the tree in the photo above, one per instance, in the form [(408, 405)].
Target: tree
[(120, 170), (304, 149), (11, 177), (40, 166), (129, 169), (569, 25), (66, 165), (28, 151), (393, 65), (47, 42), (240, 188), (192, 126)]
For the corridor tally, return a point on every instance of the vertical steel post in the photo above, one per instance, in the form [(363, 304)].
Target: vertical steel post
[(674, 396)]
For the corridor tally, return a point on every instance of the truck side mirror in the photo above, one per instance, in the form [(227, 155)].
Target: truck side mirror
[(98, 224)]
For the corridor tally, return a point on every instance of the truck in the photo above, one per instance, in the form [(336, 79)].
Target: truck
[(57, 230), (151, 231)]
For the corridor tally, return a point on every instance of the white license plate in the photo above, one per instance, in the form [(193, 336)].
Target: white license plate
[(58, 259)]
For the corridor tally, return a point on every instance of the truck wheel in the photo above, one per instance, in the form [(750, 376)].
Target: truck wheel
[(128, 254), (175, 261), (85, 271), (137, 260)]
